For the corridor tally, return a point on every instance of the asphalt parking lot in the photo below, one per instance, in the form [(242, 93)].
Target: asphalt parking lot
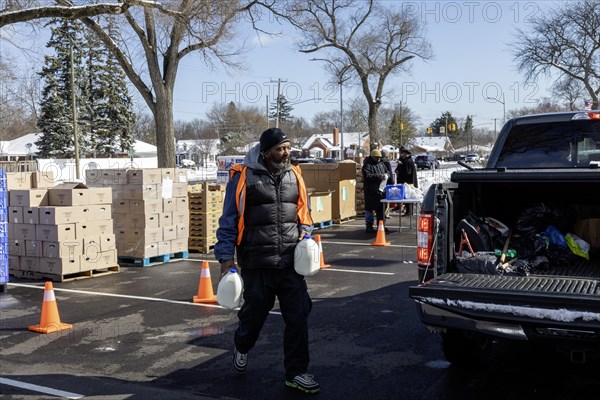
[(137, 334)]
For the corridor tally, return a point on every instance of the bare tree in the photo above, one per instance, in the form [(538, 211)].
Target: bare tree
[(164, 32), (564, 40), (570, 90), (371, 41)]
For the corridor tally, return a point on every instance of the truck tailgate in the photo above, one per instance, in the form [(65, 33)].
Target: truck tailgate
[(514, 298)]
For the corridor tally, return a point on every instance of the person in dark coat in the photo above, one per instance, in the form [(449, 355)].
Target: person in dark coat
[(375, 174), (406, 171)]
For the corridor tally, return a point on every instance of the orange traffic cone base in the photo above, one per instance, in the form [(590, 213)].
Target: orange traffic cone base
[(212, 299), (322, 264), (51, 328)]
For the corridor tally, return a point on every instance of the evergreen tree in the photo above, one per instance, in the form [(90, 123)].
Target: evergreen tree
[(445, 126), (285, 110), (112, 117), (104, 108), (56, 113)]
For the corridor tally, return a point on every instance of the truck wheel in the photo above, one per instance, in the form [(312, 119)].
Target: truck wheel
[(465, 349)]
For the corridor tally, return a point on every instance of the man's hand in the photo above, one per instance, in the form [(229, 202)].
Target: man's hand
[(225, 266), (302, 234)]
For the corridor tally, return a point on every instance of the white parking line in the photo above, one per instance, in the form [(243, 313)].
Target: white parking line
[(366, 244), (354, 271), (40, 389)]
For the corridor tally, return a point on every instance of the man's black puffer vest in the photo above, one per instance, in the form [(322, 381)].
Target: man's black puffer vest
[(270, 219)]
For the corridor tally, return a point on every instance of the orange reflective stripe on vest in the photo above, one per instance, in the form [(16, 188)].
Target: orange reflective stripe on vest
[(304, 217)]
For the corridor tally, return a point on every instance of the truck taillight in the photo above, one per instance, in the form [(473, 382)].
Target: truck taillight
[(424, 238)]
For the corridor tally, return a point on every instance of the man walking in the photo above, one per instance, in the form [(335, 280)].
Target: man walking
[(265, 213), (375, 178)]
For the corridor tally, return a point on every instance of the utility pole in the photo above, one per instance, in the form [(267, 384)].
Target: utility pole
[(74, 109), (495, 134), (277, 100)]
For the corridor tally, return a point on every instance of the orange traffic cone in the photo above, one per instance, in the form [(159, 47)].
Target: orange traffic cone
[(50, 321), (380, 239), (205, 288), (322, 259)]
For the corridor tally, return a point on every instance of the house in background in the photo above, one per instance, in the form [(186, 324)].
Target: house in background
[(328, 145), (201, 151), (438, 146), (24, 148)]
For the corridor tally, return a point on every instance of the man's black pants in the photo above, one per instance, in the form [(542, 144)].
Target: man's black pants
[(261, 285)]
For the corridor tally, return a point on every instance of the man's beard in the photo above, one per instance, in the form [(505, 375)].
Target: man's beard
[(279, 166)]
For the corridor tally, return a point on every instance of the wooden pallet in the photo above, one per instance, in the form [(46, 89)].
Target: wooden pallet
[(204, 249), (155, 260), (344, 220), (36, 275), (323, 224)]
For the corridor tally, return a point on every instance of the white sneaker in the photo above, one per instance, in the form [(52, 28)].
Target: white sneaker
[(305, 383), (240, 361)]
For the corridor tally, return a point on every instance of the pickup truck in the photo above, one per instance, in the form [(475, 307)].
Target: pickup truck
[(511, 250)]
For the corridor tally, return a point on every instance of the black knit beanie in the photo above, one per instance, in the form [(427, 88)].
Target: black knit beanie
[(271, 138)]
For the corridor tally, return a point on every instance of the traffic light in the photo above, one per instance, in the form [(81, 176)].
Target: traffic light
[(452, 127), (430, 130), (401, 126)]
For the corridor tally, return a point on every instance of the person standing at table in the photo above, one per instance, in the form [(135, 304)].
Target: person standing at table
[(406, 172), (375, 176)]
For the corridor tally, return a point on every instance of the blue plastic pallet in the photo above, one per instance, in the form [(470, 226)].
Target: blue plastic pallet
[(323, 224), (149, 261)]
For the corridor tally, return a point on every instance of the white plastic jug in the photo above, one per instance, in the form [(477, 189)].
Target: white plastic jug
[(307, 259), (229, 291)]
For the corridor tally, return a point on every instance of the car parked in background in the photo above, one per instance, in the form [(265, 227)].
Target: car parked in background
[(455, 157), (471, 158), (426, 161)]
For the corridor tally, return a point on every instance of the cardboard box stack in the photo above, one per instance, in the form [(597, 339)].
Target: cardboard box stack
[(320, 207), (338, 178), (62, 230), (150, 211), (206, 207)]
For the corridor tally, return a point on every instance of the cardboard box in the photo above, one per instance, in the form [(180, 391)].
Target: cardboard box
[(101, 212), (87, 229), (101, 195), (18, 180), (183, 231), (164, 247), (108, 242), (28, 198), (140, 192), (145, 207), (166, 219), (343, 205), (180, 175), (33, 248), (103, 177), (60, 266), (100, 260), (149, 235), (25, 232), (137, 249), (169, 233), (15, 215), (70, 249), (325, 177), (180, 189), (69, 194), (42, 179), (16, 247), (138, 221), (121, 206), (169, 205), (55, 233), (179, 245), (320, 206), (183, 203), (105, 227), (61, 215), (167, 173), (181, 217), (31, 215), (148, 176), (30, 264)]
